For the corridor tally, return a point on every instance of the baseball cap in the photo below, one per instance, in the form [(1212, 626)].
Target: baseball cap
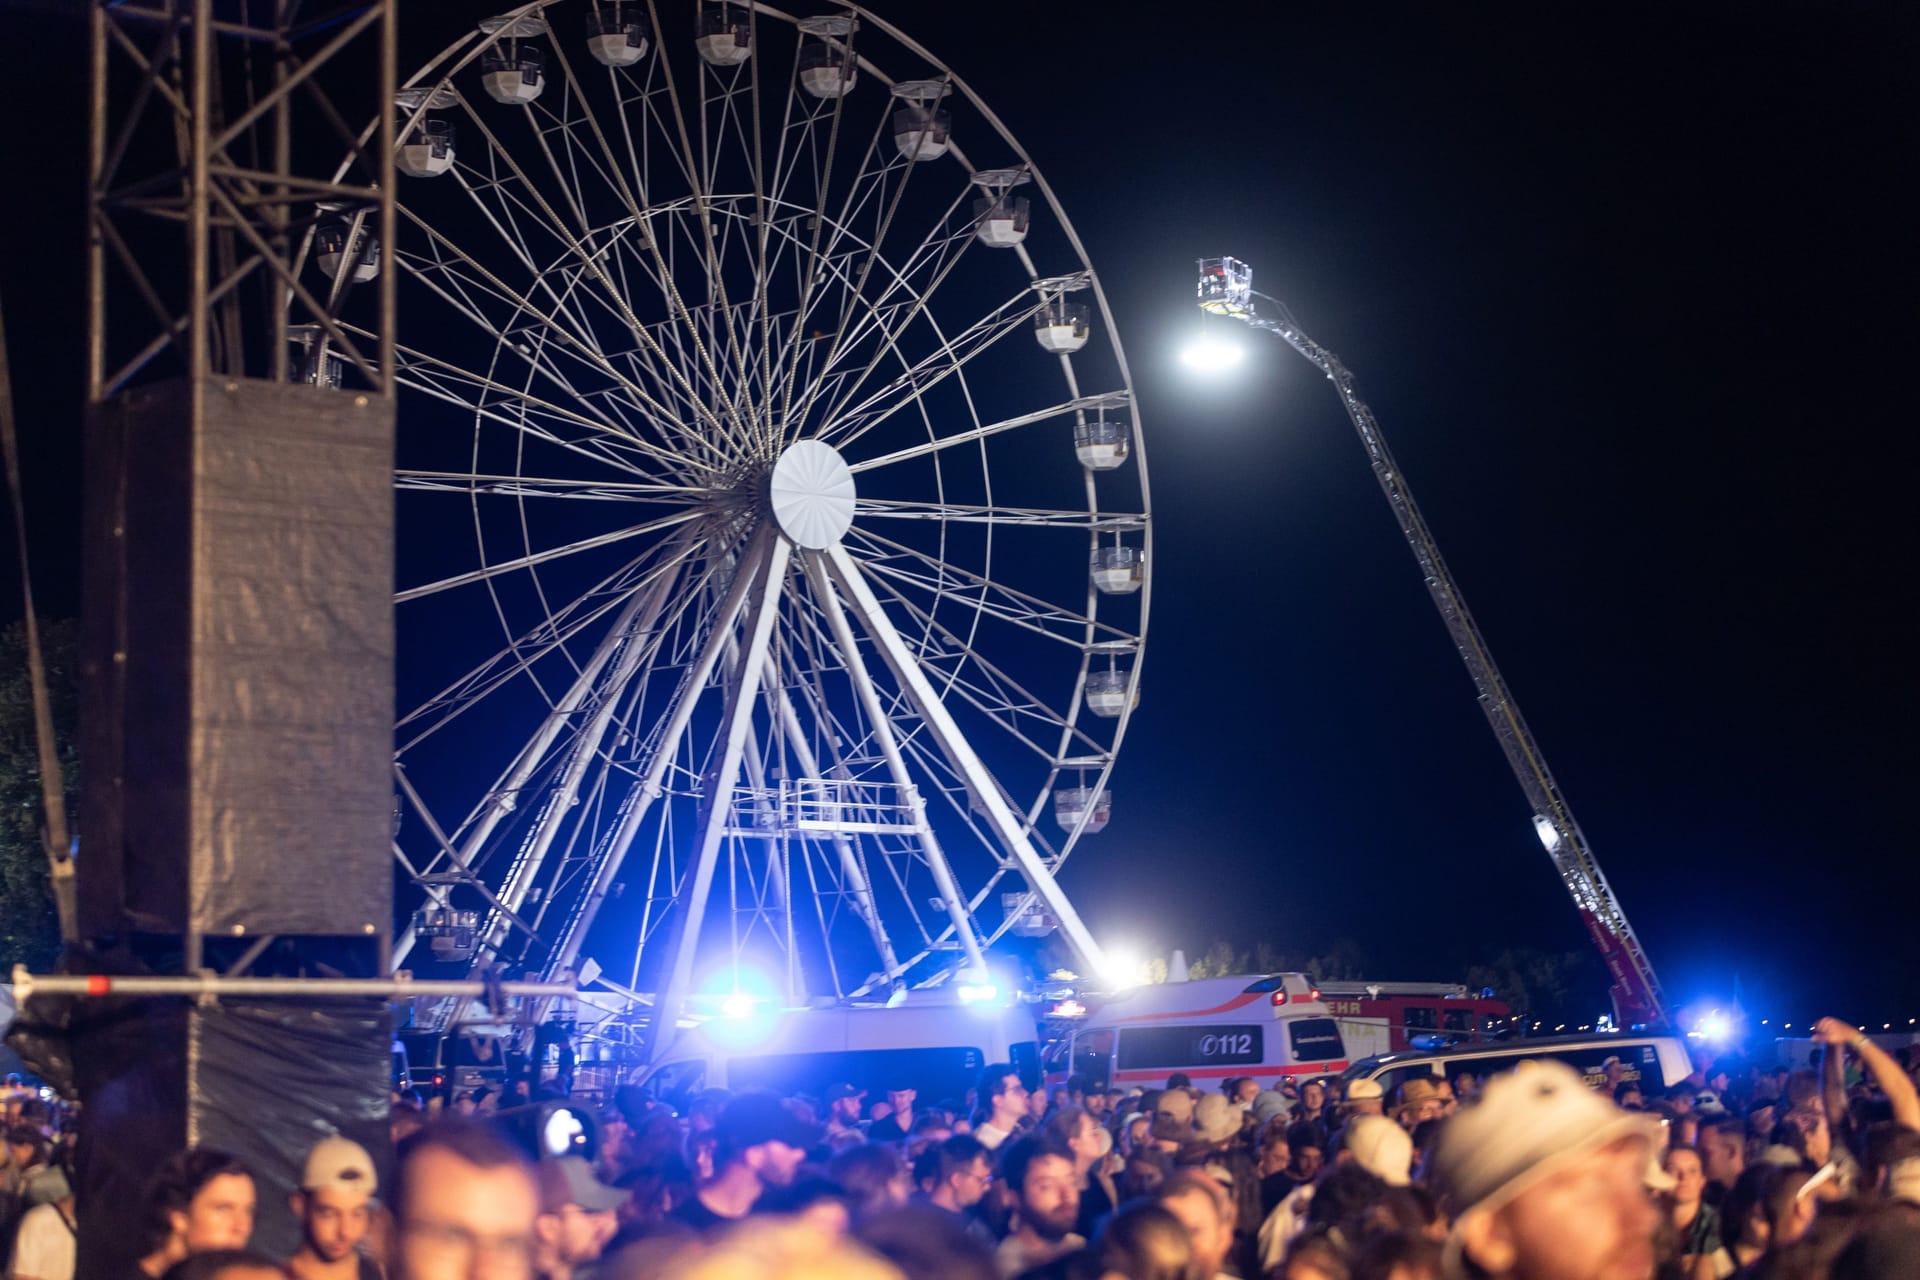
[(1527, 1125), (1382, 1148), (340, 1163), (1361, 1090), (1217, 1119), (757, 1117), (835, 1092), (1267, 1104), (566, 1180)]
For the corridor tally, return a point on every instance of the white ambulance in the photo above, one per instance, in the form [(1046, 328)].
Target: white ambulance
[(933, 1043), (1267, 1026)]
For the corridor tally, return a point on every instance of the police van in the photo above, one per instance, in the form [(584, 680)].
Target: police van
[(934, 1044), (1262, 1025), (1654, 1062)]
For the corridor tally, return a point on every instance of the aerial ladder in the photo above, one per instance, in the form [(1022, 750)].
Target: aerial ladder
[(1226, 289)]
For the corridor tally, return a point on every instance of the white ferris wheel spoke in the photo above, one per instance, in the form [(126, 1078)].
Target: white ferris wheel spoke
[(643, 529)]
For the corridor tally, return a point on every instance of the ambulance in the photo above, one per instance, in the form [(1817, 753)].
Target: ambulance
[(1267, 1026)]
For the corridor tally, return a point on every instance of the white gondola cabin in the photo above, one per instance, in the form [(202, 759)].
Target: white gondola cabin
[(331, 254), (1061, 326), (1119, 571), (723, 34), (615, 39), (326, 370), (1101, 443), (921, 129), (827, 67), (1071, 803), (426, 142), (1107, 693), (513, 68), (999, 217), (451, 934)]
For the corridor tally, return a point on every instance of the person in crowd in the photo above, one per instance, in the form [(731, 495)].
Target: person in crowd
[(1003, 1105), (1306, 1150), (1419, 1099), (1218, 1148), (1046, 1197), (1764, 1211), (335, 1211), (1203, 1207), (579, 1216), (1695, 1223), (1144, 1241), (758, 1143), (1074, 1130), (872, 1177), (1275, 1158), (465, 1205), (1723, 1154), (844, 1102), (959, 1173), (1545, 1181), (926, 1244), (898, 1125), (1628, 1096), (1365, 1098), (44, 1244), (1373, 1145), (1175, 1104), (1313, 1109), (1241, 1091), (227, 1264), (200, 1201)]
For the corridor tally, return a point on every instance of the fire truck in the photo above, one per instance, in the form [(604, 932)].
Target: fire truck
[(1389, 1017)]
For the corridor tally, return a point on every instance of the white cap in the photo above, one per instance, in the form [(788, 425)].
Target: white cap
[(339, 1162)]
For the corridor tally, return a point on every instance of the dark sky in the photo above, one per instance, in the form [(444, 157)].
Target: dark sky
[(1631, 291)]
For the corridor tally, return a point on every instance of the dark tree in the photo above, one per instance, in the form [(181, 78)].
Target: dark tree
[(29, 927)]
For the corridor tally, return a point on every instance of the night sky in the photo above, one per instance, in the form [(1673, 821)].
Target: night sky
[(1630, 289)]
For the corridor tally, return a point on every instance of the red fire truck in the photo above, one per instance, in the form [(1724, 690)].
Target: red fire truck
[(1389, 1017)]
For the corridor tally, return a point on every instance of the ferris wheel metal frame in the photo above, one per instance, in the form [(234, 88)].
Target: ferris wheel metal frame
[(853, 669)]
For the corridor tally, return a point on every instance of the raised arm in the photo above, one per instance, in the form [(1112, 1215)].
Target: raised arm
[(1839, 1036)]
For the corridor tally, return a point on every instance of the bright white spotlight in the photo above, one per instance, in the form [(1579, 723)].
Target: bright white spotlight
[(1209, 353), (737, 1005), (1122, 969)]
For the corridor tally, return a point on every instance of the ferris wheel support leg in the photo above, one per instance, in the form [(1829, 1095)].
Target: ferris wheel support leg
[(950, 895), (961, 754), (586, 750), (567, 949), (770, 571), (503, 796), (850, 868)]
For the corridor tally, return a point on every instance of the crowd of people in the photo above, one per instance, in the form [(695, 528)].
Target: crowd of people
[(1540, 1173)]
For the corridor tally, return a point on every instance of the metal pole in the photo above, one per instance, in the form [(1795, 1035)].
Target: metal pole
[(211, 986)]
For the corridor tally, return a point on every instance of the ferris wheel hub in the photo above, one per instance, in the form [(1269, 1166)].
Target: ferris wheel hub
[(811, 493)]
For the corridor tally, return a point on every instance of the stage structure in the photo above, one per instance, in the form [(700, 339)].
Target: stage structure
[(238, 641), (775, 563)]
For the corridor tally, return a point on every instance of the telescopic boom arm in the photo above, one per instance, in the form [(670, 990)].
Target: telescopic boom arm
[(1226, 289)]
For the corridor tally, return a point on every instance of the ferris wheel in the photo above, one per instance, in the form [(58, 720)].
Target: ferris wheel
[(774, 528)]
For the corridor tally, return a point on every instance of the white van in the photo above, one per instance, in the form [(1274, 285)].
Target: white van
[(937, 1048), (1260, 1025), (1656, 1063)]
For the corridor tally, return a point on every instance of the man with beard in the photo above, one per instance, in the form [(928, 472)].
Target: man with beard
[(1545, 1180), (1046, 1189), (758, 1144), (332, 1205)]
